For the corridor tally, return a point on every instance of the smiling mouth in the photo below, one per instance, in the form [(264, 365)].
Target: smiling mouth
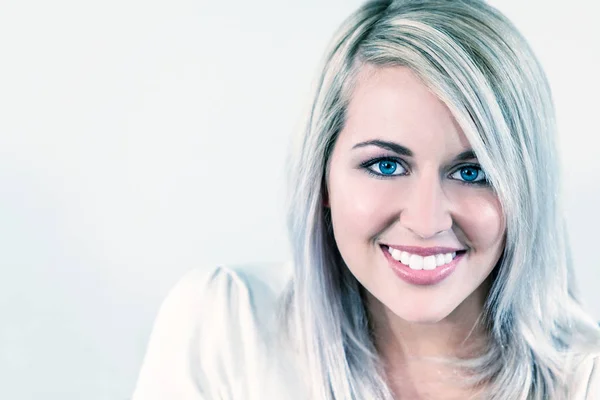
[(434, 258), (423, 271)]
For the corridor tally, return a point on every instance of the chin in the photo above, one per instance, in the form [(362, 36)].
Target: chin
[(423, 315), (425, 319)]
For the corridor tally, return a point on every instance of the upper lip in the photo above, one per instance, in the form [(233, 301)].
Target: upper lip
[(425, 251)]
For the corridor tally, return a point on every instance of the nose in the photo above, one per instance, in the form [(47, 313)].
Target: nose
[(426, 210)]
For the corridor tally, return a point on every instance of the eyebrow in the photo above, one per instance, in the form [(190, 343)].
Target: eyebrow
[(468, 154)]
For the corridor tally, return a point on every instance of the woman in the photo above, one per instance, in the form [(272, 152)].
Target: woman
[(430, 255)]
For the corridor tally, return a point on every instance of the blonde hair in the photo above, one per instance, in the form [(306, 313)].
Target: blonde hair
[(479, 65)]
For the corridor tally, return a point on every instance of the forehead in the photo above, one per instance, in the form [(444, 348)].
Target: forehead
[(393, 103)]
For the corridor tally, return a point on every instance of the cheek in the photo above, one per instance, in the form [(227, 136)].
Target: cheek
[(481, 218), (358, 202)]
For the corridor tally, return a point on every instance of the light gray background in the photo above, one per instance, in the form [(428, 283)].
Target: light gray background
[(140, 139)]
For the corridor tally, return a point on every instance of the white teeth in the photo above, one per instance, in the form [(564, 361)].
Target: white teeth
[(440, 259), (417, 262), (405, 259), (429, 263)]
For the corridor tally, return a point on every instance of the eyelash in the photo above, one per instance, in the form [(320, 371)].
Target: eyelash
[(367, 164)]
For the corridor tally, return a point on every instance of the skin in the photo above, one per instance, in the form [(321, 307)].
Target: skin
[(425, 201)]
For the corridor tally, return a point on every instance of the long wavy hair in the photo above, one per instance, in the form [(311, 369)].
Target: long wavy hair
[(474, 59)]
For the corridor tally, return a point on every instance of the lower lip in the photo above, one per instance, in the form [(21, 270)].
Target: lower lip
[(422, 277)]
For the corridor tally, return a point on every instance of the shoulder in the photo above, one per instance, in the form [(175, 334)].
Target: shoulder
[(232, 291), (270, 277), (213, 319), (257, 277), (203, 290)]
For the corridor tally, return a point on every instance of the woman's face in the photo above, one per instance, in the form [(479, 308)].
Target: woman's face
[(397, 179)]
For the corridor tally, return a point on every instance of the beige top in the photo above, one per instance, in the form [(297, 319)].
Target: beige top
[(213, 339)]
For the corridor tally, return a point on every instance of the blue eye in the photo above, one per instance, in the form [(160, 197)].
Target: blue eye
[(384, 167), (470, 174)]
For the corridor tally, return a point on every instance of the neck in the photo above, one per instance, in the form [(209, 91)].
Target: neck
[(408, 349), (459, 334)]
